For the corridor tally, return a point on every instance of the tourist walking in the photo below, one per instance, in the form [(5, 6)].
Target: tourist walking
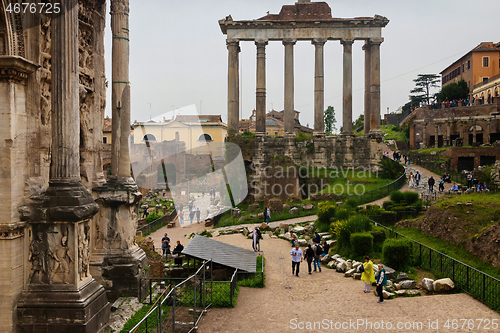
[(191, 214), (297, 257), (268, 215), (317, 252), (418, 176), (309, 257), (411, 180), (441, 185), (431, 182), (256, 236), (198, 214), (181, 217), (367, 276), (469, 180), (165, 244), (265, 214), (381, 282)]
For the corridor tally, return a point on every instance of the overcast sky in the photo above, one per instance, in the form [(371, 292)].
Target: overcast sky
[(178, 53)]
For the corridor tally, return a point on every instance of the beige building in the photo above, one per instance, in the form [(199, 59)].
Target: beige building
[(477, 67), (274, 124), (196, 131)]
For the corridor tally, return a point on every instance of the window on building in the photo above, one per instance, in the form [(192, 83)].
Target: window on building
[(485, 80), (486, 61), (463, 68), (104, 139), (468, 64)]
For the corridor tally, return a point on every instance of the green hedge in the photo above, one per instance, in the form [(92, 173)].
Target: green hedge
[(326, 211), (352, 202), (397, 253), (410, 197), (397, 196), (361, 243)]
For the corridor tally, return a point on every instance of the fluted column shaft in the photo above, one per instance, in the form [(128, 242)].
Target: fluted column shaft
[(289, 112), (319, 86), (375, 87), (65, 158), (260, 103), (436, 141), (233, 95), (347, 87), (474, 132), (120, 155), (367, 113)]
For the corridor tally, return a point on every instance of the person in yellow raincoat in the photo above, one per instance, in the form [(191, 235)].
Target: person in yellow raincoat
[(367, 276)]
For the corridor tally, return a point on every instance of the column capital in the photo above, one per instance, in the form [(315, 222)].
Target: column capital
[(289, 41), (347, 41), (376, 41), (366, 46), (232, 42), (319, 41), (261, 42)]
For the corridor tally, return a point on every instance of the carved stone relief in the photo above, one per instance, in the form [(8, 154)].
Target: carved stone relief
[(61, 258), (38, 256), (83, 251)]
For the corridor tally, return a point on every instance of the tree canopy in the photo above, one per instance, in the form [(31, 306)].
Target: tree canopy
[(454, 91), (330, 120)]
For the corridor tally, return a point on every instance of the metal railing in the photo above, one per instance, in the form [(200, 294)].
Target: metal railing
[(380, 192), (179, 303), (158, 223), (479, 285)]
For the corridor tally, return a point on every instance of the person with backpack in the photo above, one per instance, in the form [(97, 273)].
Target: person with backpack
[(297, 256), (431, 182), (317, 252), (367, 275), (441, 185), (309, 257), (381, 280), (256, 239)]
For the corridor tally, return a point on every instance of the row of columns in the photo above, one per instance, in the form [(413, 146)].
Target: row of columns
[(461, 130), (372, 86)]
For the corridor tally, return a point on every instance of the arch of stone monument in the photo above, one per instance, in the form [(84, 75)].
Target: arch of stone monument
[(310, 21)]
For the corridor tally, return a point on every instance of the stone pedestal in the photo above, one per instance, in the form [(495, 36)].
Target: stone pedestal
[(117, 262)]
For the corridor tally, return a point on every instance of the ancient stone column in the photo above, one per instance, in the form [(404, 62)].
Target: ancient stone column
[(488, 131), (58, 277), (424, 135), (319, 86), (120, 156), (436, 141), (289, 112), (448, 132), (347, 87), (367, 49), (474, 132), (375, 88), (260, 107), (233, 95), (116, 260)]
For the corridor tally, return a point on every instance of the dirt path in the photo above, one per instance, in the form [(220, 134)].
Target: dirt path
[(331, 297)]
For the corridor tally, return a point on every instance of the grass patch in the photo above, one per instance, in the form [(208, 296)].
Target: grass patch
[(255, 280), (139, 315), (393, 132), (454, 251)]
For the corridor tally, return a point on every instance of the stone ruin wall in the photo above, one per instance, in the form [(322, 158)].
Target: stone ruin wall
[(26, 161), (334, 151)]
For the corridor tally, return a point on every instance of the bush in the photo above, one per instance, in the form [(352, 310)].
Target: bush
[(326, 211), (343, 213), (397, 253), (410, 197), (361, 243), (387, 205), (352, 202), (397, 196), (152, 217), (378, 234), (343, 229)]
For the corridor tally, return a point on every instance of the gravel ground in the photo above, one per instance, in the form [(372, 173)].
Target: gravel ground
[(329, 296)]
